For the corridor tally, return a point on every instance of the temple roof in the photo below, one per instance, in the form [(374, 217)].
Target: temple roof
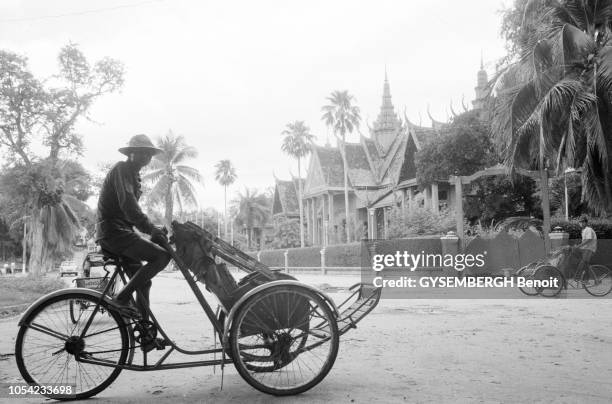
[(286, 197)]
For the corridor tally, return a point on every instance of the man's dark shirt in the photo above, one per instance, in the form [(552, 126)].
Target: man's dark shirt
[(118, 210)]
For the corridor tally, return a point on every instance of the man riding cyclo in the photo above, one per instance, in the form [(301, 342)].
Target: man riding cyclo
[(118, 215), (588, 246)]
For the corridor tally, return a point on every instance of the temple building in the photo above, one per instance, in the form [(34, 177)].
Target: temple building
[(381, 175)]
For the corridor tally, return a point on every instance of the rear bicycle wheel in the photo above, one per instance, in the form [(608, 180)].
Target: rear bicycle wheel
[(548, 280), (597, 280), (527, 272), (50, 351), (284, 340)]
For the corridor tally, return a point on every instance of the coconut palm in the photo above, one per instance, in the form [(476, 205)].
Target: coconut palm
[(171, 180), (296, 143), (252, 210), (342, 117), (44, 195), (225, 174), (553, 106)]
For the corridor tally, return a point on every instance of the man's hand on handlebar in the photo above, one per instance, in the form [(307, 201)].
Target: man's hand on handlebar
[(159, 236)]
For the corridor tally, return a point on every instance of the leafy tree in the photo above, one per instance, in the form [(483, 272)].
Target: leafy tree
[(574, 191), (463, 148), (252, 210), (171, 179), (297, 142), (48, 192), (225, 175), (81, 84), (342, 117), (496, 198), (286, 233), (40, 194), (522, 30), (552, 106), (22, 106)]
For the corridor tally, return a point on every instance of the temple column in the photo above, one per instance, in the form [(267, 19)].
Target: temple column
[(323, 231), (331, 217), (410, 193), (314, 220), (308, 224), (435, 203), (385, 223), (374, 224), (403, 193), (427, 192)]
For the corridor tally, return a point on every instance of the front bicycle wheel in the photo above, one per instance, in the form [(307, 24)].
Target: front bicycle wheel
[(50, 350), (548, 280), (284, 340), (597, 280)]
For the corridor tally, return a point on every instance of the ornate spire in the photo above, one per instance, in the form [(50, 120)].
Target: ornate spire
[(481, 86), (387, 119), (387, 124)]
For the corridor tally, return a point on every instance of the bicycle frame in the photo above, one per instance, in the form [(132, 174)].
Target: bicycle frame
[(160, 364)]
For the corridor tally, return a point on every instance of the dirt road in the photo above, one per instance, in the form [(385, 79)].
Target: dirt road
[(533, 350)]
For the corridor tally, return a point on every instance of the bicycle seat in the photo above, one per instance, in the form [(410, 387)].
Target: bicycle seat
[(109, 256)]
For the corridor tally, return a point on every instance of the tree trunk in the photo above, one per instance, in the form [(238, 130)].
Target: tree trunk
[(346, 195), (38, 260), (169, 206), (301, 205), (544, 192), (225, 211)]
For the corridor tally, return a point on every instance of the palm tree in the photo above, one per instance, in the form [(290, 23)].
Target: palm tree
[(553, 106), (225, 175), (296, 143), (51, 209), (342, 117), (172, 181), (253, 209)]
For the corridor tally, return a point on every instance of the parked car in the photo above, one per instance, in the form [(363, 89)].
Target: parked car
[(69, 268)]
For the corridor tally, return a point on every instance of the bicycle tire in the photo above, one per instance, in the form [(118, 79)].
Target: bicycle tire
[(275, 378), (549, 272), (24, 363), (529, 291), (597, 274)]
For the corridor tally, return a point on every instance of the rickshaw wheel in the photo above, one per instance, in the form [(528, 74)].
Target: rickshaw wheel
[(549, 273), (284, 340), (527, 272)]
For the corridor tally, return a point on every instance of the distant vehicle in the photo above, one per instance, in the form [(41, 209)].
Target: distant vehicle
[(68, 267)]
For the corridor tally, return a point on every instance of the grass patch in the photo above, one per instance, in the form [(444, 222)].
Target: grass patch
[(24, 290)]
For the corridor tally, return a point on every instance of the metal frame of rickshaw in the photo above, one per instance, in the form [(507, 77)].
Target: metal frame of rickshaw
[(219, 328)]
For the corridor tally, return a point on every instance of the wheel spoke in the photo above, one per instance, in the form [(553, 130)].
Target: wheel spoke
[(50, 344), (285, 340)]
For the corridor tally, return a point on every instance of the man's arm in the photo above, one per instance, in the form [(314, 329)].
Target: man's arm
[(128, 202)]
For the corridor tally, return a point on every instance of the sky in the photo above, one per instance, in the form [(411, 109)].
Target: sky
[(229, 75)]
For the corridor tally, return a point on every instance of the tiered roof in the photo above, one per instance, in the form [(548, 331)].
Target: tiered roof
[(377, 164)]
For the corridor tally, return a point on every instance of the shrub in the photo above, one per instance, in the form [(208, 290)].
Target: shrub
[(304, 257), (343, 255), (419, 221), (286, 233), (273, 258)]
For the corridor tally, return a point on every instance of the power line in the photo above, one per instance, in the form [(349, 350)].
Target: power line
[(76, 13)]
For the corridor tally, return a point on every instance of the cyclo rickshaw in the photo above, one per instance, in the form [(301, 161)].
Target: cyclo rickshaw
[(281, 335)]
